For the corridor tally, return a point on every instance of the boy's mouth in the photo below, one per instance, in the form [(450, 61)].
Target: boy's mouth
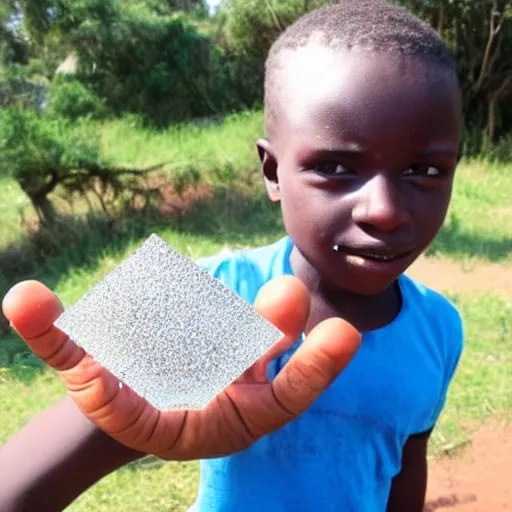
[(376, 255)]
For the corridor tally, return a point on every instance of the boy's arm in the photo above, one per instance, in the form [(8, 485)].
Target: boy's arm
[(409, 487), (56, 457)]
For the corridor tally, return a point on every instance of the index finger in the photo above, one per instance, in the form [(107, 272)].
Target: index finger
[(32, 309)]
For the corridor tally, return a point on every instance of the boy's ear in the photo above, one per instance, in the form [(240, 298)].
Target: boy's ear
[(269, 167)]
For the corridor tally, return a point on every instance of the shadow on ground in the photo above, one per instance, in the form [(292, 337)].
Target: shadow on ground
[(452, 501), (454, 241)]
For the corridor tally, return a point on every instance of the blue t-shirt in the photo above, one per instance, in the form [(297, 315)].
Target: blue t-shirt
[(343, 452)]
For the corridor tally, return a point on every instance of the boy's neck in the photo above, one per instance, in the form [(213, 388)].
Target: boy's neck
[(365, 312)]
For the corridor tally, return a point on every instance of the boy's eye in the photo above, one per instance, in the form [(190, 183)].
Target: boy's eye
[(430, 171), (331, 168)]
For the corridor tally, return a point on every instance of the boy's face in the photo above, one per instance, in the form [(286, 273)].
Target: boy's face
[(362, 161)]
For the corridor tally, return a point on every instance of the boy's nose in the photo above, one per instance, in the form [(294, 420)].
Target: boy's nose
[(381, 205)]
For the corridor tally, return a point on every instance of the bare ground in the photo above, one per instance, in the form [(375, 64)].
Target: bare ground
[(448, 276), (480, 478)]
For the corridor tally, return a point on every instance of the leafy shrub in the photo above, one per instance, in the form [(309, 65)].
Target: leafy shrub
[(69, 98)]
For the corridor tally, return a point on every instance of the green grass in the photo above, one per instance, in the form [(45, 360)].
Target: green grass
[(481, 388), (230, 143), (479, 223), (479, 229), (13, 200)]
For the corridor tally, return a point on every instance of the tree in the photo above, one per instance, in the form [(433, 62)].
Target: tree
[(13, 41), (40, 153), (480, 36), (253, 25), (43, 152), (138, 56)]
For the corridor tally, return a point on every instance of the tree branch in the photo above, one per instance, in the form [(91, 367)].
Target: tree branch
[(48, 187), (440, 21), (503, 89), (494, 31), (99, 170), (274, 16)]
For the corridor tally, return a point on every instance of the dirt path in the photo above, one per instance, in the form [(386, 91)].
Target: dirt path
[(447, 276), (480, 479)]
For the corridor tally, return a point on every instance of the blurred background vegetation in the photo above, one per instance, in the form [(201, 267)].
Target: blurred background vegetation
[(66, 66)]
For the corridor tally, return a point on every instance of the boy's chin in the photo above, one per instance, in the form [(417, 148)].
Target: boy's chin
[(365, 289)]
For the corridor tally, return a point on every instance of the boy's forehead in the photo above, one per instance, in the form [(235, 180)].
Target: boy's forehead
[(319, 83), (308, 74)]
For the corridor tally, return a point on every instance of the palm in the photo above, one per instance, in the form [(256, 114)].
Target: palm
[(242, 413)]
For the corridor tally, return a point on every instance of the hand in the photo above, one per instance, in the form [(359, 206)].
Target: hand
[(243, 412)]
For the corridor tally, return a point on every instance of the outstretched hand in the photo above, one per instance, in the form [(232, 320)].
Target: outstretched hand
[(246, 410)]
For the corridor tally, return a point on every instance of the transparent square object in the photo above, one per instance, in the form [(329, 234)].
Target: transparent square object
[(166, 328)]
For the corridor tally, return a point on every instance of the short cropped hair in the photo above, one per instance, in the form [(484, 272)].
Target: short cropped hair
[(373, 25)]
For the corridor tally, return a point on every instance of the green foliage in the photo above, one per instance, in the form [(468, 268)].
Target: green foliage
[(33, 146), (501, 151), (159, 66), (13, 43), (479, 34), (480, 37), (228, 142), (40, 151), (195, 8), (37, 15), (253, 25), (19, 86), (251, 28), (71, 99)]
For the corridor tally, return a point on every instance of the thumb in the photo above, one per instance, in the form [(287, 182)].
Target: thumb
[(284, 302), (31, 309), (326, 351)]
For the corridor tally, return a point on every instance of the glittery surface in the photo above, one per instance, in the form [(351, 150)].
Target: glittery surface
[(167, 329)]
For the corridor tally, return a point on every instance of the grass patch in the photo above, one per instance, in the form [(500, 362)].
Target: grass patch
[(479, 223), (229, 143), (12, 203), (145, 485), (478, 227), (481, 388)]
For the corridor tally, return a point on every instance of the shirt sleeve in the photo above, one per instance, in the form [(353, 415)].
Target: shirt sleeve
[(453, 343)]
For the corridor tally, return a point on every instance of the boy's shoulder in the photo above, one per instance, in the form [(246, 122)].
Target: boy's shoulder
[(435, 319), (437, 308)]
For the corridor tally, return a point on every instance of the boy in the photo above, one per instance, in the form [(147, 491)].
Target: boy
[(362, 123)]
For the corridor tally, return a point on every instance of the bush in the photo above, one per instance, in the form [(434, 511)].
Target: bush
[(19, 86), (69, 98), (34, 144), (41, 152), (253, 25), (501, 151), (159, 66), (251, 28)]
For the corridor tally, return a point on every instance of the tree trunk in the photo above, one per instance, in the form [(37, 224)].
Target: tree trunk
[(440, 19), (490, 129), (38, 194), (44, 209)]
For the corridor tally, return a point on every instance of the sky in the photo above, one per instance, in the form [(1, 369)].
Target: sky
[(213, 4)]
